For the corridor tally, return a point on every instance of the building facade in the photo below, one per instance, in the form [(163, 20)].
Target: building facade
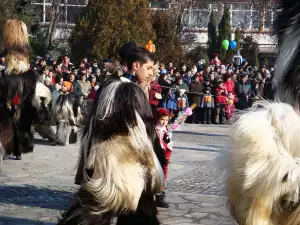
[(253, 20)]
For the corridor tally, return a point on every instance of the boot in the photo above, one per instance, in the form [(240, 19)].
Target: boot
[(18, 157), (161, 200)]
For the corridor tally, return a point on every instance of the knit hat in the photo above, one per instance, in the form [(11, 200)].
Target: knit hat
[(47, 79), (162, 112)]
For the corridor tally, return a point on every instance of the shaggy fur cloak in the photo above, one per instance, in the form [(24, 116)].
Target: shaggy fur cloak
[(118, 169), (263, 182)]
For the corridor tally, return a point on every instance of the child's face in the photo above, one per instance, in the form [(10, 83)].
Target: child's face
[(163, 121), (207, 91), (47, 82)]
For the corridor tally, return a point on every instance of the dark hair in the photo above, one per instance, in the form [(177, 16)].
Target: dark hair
[(57, 79), (139, 54)]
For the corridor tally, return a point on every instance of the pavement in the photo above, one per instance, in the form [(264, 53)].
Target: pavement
[(38, 188)]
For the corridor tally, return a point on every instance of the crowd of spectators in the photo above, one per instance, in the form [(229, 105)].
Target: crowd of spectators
[(217, 89)]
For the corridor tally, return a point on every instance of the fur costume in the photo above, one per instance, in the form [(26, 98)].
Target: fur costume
[(19, 92), (118, 169), (264, 165), (67, 115)]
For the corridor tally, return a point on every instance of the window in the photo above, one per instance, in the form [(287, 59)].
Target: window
[(241, 16), (73, 14), (61, 12), (199, 18), (38, 11), (268, 19)]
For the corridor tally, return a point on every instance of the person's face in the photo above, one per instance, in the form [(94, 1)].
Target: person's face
[(59, 69), (262, 70), (95, 64), (144, 71), (208, 69), (163, 121), (46, 72), (212, 76), (75, 72), (43, 63), (245, 79), (64, 88), (170, 65), (90, 70), (3, 59), (189, 73), (72, 78), (180, 82), (50, 74), (85, 60), (94, 79), (107, 65), (66, 59), (207, 91), (197, 79), (83, 71), (221, 85), (98, 73), (47, 82), (183, 68), (83, 78)]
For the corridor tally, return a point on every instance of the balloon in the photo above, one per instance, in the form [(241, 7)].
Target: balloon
[(150, 46), (225, 44), (233, 45)]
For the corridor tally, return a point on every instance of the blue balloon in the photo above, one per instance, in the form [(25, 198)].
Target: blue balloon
[(233, 45)]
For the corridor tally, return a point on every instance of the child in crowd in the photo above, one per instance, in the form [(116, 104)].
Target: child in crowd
[(162, 119), (207, 104), (229, 108), (221, 99), (182, 102)]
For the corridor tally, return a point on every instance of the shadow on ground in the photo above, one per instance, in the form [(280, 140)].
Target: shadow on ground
[(16, 221), (43, 197), (201, 134)]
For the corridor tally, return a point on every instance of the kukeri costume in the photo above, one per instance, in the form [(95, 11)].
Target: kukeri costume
[(20, 97), (118, 169), (264, 165)]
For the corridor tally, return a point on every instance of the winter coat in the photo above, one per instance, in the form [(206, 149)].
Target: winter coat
[(182, 103), (196, 93), (183, 86), (221, 95), (154, 88), (230, 86), (242, 93), (207, 101)]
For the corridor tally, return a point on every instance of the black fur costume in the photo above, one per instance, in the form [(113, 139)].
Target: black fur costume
[(17, 112), (107, 124)]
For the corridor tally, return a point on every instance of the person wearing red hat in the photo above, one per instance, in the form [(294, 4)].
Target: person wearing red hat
[(164, 136), (215, 60)]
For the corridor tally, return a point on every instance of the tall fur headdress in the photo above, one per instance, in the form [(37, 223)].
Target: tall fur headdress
[(263, 184), (15, 37)]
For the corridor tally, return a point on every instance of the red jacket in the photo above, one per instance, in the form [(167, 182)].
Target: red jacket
[(154, 88), (229, 85), (220, 96)]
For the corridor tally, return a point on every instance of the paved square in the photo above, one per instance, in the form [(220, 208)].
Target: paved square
[(36, 189)]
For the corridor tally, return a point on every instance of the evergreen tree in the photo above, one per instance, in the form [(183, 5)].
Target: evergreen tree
[(212, 35), (107, 24), (168, 46), (238, 37), (224, 31)]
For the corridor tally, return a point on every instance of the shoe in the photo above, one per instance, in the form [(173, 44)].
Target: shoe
[(208, 122), (5, 157), (161, 200), (18, 157)]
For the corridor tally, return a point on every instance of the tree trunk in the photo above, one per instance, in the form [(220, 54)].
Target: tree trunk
[(54, 19)]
